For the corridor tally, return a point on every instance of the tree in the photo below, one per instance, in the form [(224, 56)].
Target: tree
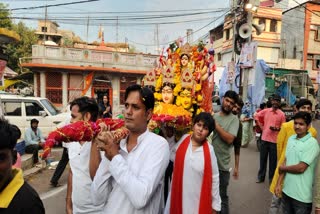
[(23, 48), (132, 49), (5, 21)]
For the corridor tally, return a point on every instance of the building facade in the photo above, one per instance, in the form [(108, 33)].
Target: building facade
[(301, 34), (62, 74)]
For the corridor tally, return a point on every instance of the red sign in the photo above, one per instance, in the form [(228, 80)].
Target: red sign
[(267, 3)]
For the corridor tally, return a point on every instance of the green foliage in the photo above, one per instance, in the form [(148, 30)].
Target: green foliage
[(67, 42), (5, 21), (132, 49), (23, 48)]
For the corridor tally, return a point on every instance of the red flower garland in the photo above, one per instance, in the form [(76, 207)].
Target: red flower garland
[(83, 131)]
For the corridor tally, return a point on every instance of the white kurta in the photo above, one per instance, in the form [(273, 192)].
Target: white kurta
[(192, 180), (79, 157), (133, 182)]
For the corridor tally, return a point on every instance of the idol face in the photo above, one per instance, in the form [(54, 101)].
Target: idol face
[(167, 95), (186, 99), (184, 60)]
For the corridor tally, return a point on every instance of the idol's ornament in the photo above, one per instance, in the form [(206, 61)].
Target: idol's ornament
[(183, 83)]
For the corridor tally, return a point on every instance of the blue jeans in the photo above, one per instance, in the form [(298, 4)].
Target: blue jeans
[(267, 149), (293, 206), (224, 177)]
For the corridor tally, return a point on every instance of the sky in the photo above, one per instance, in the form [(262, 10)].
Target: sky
[(201, 16)]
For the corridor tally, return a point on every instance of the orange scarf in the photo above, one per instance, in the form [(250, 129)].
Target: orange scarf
[(177, 181)]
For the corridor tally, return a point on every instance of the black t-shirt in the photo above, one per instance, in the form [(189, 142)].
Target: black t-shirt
[(26, 201)]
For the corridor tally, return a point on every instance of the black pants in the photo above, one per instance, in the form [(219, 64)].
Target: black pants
[(224, 178), (61, 166), (267, 149), (167, 180), (292, 206), (33, 149)]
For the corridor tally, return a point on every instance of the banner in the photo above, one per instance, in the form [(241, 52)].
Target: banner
[(248, 56)]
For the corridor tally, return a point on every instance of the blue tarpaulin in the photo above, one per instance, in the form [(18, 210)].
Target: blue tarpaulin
[(256, 91)]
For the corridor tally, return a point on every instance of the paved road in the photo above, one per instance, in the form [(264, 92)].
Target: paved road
[(245, 195)]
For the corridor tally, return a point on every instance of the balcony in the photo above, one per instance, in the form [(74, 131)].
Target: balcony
[(42, 54)]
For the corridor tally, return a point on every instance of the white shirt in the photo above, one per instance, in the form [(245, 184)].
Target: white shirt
[(192, 180), (79, 158), (133, 182)]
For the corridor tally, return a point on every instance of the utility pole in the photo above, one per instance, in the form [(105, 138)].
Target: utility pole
[(234, 55), (87, 31), (45, 25), (245, 73), (157, 38), (117, 34)]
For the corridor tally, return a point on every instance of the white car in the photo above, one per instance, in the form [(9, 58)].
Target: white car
[(19, 110)]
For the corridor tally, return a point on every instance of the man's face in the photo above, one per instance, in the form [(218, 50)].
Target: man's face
[(6, 161), (275, 104), (34, 125), (136, 116), (227, 105), (300, 127), (75, 114), (305, 108), (200, 132), (236, 109)]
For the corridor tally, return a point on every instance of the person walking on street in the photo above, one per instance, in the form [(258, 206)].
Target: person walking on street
[(16, 195), (34, 140), (298, 168), (316, 197), (78, 200), (195, 184), (223, 136), (64, 160), (237, 142), (286, 131), (130, 177), (272, 120)]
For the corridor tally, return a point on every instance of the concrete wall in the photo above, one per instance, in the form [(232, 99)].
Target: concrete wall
[(293, 32)]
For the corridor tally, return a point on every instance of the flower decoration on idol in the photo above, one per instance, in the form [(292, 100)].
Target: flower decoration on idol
[(83, 131)]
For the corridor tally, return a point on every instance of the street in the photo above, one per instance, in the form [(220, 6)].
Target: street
[(245, 195)]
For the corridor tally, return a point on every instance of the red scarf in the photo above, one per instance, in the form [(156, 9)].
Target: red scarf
[(177, 181)]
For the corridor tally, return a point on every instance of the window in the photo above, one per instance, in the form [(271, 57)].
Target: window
[(43, 29), (33, 109), (12, 108), (273, 25), (219, 56), (316, 64), (317, 34), (262, 21), (227, 34)]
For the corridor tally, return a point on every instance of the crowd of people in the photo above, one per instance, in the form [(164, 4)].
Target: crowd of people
[(128, 176)]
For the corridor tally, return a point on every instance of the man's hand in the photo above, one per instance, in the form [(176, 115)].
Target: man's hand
[(41, 144), (69, 205), (278, 190), (106, 142)]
